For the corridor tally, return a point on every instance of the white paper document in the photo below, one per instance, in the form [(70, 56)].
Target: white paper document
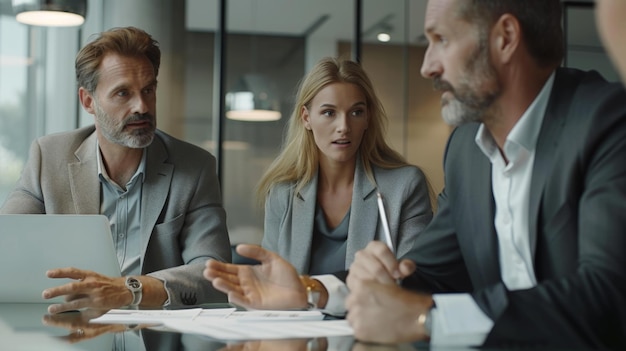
[(230, 324), (161, 316)]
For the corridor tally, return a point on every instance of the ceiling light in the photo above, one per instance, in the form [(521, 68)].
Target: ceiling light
[(50, 13), (252, 99), (383, 37)]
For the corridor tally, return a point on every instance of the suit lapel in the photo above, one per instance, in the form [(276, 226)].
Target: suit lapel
[(84, 181), (545, 151), (302, 226), (363, 214), (155, 188), (483, 238)]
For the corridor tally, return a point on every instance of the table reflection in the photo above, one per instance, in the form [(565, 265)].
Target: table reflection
[(317, 344), (78, 326), (30, 327)]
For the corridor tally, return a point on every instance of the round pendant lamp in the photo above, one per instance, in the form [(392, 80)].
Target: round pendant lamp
[(50, 13), (253, 99)]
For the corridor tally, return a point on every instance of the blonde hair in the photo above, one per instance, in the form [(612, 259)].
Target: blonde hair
[(298, 159)]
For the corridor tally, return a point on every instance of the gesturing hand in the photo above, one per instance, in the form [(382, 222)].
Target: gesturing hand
[(89, 290), (273, 284)]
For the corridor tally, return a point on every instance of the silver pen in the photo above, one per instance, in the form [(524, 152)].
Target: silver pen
[(383, 218)]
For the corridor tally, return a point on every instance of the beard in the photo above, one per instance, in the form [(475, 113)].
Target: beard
[(115, 131), (471, 101)]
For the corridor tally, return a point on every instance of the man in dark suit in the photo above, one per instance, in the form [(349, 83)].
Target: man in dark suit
[(527, 247)]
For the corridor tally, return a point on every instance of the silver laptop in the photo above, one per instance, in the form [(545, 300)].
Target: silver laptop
[(32, 244)]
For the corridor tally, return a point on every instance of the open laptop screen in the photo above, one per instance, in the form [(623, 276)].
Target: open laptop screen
[(31, 244)]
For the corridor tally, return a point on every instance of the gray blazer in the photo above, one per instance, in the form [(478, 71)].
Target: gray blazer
[(183, 222), (577, 229), (289, 216)]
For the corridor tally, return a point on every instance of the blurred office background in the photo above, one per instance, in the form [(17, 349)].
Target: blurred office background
[(268, 46)]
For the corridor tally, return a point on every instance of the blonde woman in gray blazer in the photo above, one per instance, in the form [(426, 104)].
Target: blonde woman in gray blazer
[(289, 214), (320, 196)]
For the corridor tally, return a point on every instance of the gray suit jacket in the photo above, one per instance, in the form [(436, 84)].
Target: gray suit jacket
[(183, 222), (577, 212), (289, 216)]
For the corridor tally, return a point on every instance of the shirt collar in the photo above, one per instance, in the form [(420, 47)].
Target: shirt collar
[(525, 132), (140, 170)]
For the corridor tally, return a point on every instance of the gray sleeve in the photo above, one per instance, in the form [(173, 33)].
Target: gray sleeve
[(415, 212), (193, 237)]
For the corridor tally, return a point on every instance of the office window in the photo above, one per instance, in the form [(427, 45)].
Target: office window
[(37, 90), (17, 123)]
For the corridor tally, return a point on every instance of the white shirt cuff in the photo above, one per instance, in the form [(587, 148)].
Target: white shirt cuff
[(458, 321), (337, 293)]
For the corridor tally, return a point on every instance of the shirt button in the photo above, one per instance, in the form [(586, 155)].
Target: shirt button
[(122, 235)]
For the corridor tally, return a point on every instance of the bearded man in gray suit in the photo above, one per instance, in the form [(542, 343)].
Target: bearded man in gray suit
[(161, 195)]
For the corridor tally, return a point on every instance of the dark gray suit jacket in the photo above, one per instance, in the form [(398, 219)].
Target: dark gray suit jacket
[(183, 222), (577, 225)]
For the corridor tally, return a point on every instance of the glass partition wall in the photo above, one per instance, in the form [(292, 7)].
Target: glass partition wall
[(268, 46)]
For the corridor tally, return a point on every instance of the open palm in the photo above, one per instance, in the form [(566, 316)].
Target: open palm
[(273, 284)]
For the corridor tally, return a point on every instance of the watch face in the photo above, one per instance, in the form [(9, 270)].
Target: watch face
[(133, 283)]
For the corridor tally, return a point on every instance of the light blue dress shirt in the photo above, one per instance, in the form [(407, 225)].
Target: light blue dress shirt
[(122, 205)]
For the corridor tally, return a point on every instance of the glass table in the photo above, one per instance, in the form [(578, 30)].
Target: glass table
[(30, 327)]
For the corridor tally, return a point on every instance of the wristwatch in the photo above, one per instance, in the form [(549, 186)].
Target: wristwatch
[(312, 291), (425, 321), (428, 323), (135, 287)]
